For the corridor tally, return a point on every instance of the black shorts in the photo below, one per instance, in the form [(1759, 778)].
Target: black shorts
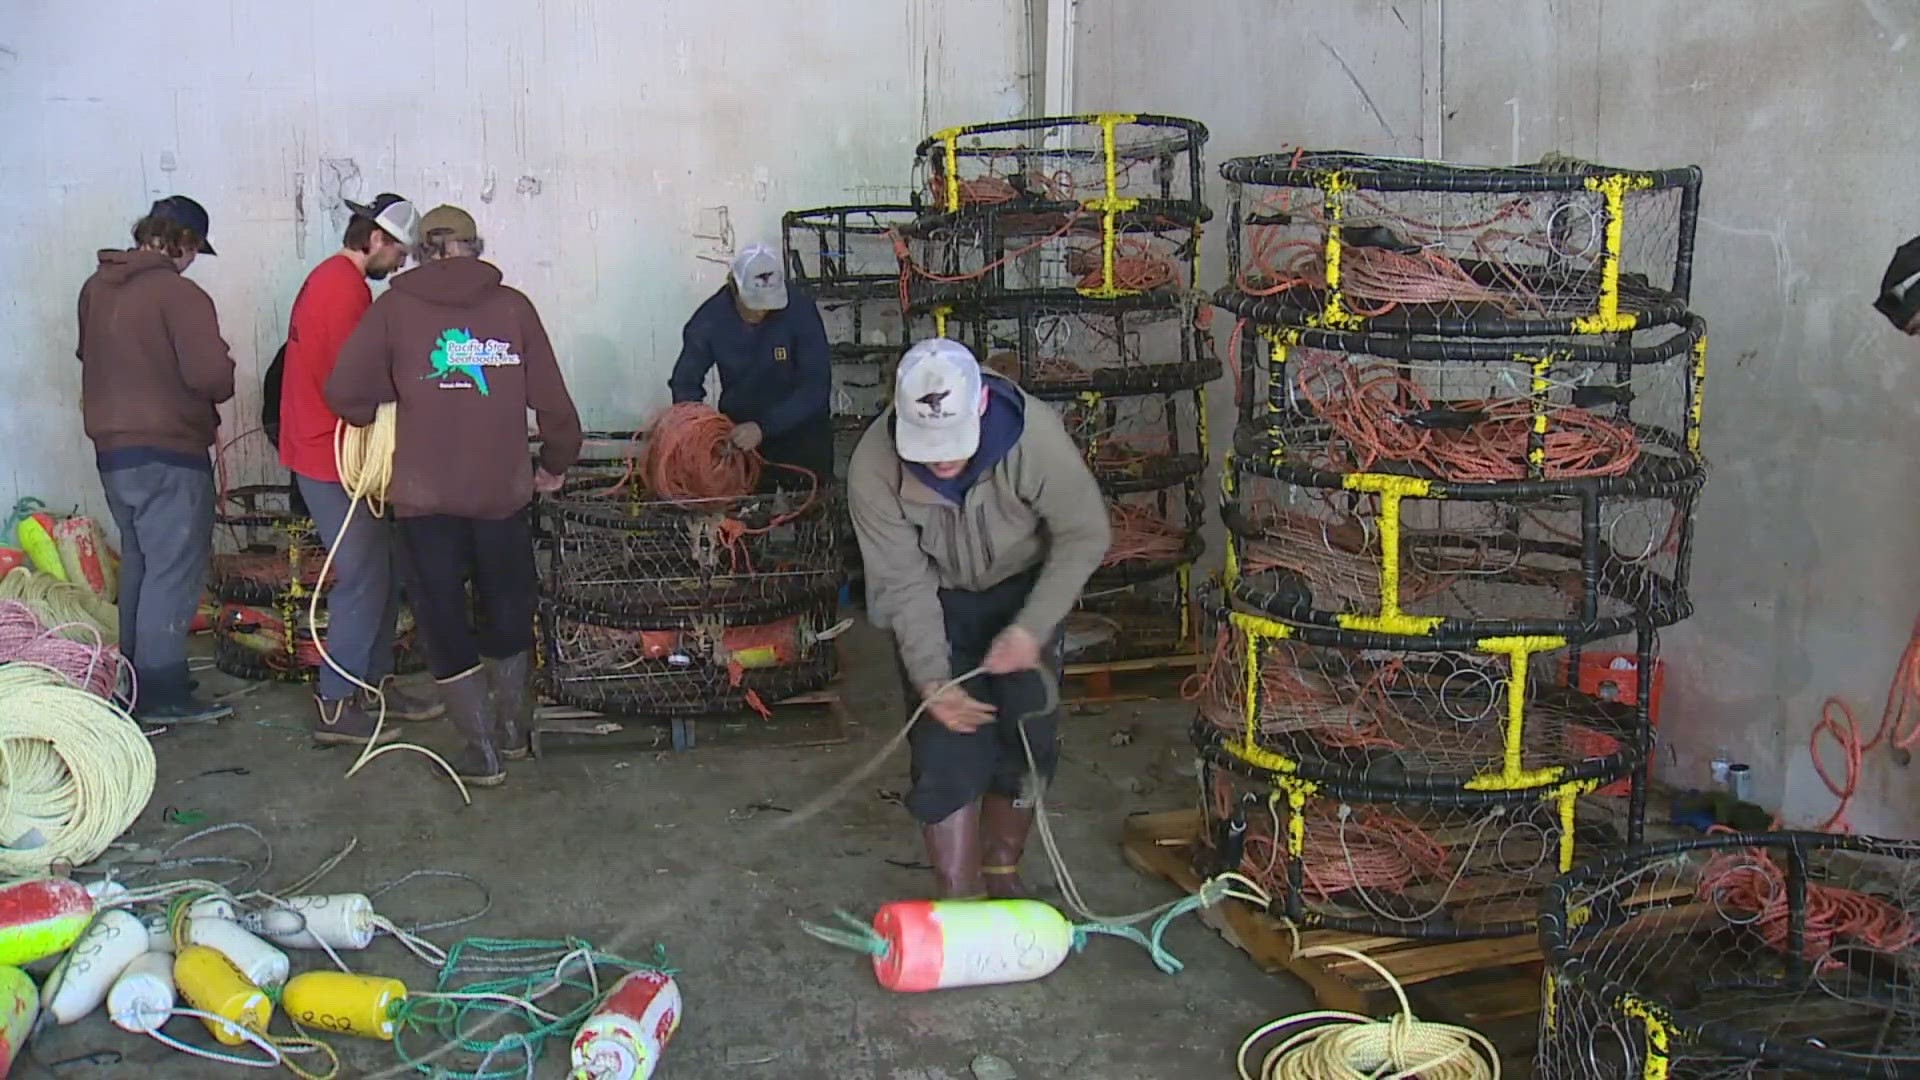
[(951, 770)]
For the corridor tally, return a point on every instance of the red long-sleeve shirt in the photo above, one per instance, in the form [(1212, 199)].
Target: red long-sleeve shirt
[(325, 312)]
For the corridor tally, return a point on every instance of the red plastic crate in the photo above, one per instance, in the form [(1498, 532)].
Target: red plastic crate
[(1613, 677)]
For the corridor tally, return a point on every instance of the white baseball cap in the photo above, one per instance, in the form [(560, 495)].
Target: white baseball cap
[(936, 402), (395, 216), (759, 277)]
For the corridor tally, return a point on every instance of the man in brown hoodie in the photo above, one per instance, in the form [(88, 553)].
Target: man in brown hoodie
[(152, 369), (464, 357)]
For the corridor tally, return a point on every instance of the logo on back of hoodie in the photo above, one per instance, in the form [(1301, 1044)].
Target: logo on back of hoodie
[(458, 353)]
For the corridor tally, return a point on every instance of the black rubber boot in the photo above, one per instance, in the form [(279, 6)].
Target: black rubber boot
[(470, 707), (512, 683)]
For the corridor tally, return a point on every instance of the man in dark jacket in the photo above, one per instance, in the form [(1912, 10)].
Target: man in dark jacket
[(153, 367), (770, 345), (463, 358)]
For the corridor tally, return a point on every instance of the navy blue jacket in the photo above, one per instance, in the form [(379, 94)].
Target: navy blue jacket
[(775, 374)]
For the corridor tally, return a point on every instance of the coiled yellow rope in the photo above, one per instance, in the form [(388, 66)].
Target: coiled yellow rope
[(63, 604), (1346, 1046), (75, 771), (364, 457)]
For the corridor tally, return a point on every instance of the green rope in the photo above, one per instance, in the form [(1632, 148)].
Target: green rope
[(860, 937), (511, 968), (1210, 893), (22, 510)]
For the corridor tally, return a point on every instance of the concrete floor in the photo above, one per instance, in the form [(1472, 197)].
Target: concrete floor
[(632, 848)]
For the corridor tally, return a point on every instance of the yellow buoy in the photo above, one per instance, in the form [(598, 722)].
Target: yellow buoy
[(211, 984), (358, 1005)]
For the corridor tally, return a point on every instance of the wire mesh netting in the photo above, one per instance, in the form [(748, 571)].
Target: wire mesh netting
[(1059, 162), (1476, 410), (266, 564), (1581, 557), (1384, 859), (628, 557), (1758, 957), (1154, 531), (1419, 716), (253, 641), (1151, 618), (261, 546), (847, 252), (1065, 348), (1344, 240), (1094, 206), (687, 662), (1139, 441)]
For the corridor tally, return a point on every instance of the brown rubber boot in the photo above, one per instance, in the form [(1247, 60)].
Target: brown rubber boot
[(1004, 825), (953, 847), (511, 681), (348, 722), (470, 707)]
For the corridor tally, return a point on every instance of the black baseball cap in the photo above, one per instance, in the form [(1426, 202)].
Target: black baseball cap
[(185, 213), (1899, 298), (372, 210)]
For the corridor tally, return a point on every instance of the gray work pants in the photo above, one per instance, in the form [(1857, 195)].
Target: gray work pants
[(363, 606), (165, 516)]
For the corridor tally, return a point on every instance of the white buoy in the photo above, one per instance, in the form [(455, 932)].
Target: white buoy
[(159, 934), (211, 907), (113, 940), (337, 921), (106, 892), (142, 998), (262, 964)]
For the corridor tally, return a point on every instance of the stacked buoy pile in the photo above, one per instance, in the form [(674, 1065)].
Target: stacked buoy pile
[(692, 580), (237, 975), (844, 257), (1459, 508), (1065, 253), (266, 564)]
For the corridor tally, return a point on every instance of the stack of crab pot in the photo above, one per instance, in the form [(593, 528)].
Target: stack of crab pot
[(1459, 508)]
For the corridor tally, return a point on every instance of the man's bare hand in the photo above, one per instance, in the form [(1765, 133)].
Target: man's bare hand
[(546, 483), (956, 710), (747, 436), (1014, 650)]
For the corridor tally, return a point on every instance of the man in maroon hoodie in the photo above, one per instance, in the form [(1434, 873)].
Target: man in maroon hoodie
[(464, 357), (153, 366)]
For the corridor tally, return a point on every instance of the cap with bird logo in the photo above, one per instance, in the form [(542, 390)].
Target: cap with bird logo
[(937, 402)]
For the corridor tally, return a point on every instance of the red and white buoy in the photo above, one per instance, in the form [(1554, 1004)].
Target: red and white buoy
[(624, 1039)]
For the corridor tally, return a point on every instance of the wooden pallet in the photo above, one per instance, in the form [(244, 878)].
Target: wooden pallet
[(1484, 979), (1127, 680), (816, 719)]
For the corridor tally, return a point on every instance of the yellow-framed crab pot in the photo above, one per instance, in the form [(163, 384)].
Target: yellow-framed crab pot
[(1350, 241), (1762, 955), (1388, 551)]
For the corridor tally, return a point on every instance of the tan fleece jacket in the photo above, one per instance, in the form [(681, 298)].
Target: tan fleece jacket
[(1038, 507)]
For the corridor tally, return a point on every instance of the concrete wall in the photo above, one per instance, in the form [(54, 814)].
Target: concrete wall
[(605, 146), (1800, 114)]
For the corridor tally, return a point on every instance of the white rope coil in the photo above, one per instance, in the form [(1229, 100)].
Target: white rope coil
[(75, 771), (1346, 1046)]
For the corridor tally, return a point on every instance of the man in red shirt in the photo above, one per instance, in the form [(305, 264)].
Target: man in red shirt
[(363, 606)]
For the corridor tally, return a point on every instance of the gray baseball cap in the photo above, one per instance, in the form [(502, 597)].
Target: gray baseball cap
[(759, 278)]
